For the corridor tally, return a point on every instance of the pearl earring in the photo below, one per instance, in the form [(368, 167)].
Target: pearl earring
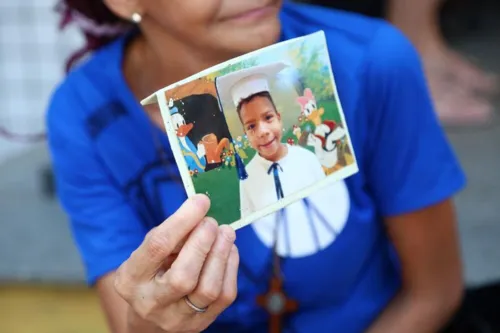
[(136, 18)]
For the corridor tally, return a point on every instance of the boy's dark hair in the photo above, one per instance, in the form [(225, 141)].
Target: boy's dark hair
[(244, 101), (107, 26)]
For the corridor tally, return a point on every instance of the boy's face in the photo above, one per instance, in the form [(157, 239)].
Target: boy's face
[(263, 127)]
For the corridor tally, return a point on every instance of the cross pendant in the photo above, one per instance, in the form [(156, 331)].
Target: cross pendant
[(276, 304)]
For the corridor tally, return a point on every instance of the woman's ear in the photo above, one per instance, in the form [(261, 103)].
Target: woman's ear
[(125, 8)]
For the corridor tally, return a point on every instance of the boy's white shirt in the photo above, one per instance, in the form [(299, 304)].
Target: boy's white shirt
[(299, 169)]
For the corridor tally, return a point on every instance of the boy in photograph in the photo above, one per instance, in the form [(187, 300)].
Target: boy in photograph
[(278, 169)]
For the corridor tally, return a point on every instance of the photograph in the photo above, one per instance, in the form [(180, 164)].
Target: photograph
[(261, 132)]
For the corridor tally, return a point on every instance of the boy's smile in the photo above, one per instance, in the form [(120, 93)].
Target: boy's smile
[(270, 150), (263, 126), (269, 144)]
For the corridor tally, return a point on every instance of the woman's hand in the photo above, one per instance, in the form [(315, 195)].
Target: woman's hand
[(185, 263)]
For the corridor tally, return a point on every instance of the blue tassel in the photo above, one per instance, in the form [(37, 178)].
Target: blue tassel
[(242, 172)]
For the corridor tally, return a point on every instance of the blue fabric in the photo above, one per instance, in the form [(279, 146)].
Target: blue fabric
[(115, 184)]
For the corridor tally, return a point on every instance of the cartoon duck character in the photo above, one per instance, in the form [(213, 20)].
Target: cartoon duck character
[(325, 140), (309, 107), (194, 156)]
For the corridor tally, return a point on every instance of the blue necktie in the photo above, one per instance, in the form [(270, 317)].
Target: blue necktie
[(277, 183)]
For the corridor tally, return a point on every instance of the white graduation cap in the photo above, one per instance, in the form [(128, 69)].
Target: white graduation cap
[(241, 84)]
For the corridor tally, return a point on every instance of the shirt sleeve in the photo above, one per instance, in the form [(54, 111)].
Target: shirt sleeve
[(106, 230), (409, 162)]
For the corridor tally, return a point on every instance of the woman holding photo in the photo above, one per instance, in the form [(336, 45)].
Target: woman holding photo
[(160, 265)]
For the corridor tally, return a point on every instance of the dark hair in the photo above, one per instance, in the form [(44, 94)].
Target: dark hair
[(265, 94), (97, 23)]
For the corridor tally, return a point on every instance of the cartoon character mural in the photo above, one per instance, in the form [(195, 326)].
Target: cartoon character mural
[(206, 154), (309, 107), (326, 138), (194, 156), (326, 141)]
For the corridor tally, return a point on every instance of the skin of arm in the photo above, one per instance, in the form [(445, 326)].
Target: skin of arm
[(432, 284)]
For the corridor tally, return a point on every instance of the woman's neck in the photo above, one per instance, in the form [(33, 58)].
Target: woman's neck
[(153, 63)]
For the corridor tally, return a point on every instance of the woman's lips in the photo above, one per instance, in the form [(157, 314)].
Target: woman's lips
[(251, 15)]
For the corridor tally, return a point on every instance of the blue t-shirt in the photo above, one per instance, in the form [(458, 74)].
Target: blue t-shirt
[(117, 178)]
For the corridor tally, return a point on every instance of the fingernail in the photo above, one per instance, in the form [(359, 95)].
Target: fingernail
[(228, 232)]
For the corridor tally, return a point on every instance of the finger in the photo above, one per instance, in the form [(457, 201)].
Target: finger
[(183, 275), (167, 263), (163, 240), (230, 285), (212, 275)]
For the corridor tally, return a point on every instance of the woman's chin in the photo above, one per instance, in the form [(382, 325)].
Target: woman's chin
[(247, 39)]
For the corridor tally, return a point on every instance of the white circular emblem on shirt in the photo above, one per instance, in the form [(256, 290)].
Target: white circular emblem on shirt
[(305, 226), (306, 230)]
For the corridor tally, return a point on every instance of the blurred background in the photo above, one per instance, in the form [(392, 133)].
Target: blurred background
[(41, 278)]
